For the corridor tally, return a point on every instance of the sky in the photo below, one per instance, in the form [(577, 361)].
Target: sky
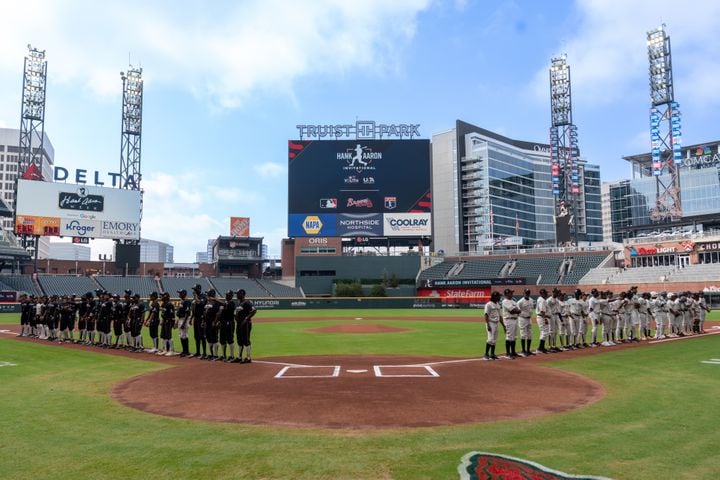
[(226, 82)]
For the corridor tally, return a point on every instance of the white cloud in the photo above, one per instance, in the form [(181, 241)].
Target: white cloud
[(224, 51), (269, 169), (607, 50)]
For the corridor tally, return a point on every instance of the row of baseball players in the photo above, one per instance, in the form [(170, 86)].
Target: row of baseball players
[(626, 317)]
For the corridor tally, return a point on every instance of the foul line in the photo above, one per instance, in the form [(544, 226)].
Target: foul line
[(674, 339), (281, 363), (441, 362)]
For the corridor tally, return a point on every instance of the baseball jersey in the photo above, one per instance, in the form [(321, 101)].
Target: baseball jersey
[(526, 306), (542, 307), (492, 310), (508, 305), (243, 310)]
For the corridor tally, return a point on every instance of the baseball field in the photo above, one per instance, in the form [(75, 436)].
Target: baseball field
[(372, 394)]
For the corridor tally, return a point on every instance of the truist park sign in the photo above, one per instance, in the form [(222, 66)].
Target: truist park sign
[(361, 130)]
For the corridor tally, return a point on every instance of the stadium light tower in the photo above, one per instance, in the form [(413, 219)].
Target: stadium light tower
[(564, 153), (32, 115), (131, 133), (665, 128)]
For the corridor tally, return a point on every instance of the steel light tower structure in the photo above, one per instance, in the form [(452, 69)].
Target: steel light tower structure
[(564, 153), (131, 132), (665, 128), (32, 114)]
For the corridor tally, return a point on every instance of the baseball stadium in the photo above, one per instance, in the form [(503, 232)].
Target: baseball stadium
[(446, 308)]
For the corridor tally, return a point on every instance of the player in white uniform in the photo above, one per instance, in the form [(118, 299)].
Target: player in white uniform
[(510, 312), (595, 315), (644, 315), (607, 318), (552, 308), (565, 322), (575, 319), (493, 317), (657, 311), (674, 317), (704, 309), (526, 306), (585, 317), (624, 308), (543, 319)]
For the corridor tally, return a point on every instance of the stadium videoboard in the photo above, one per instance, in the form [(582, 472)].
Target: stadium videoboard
[(80, 211), (349, 188)]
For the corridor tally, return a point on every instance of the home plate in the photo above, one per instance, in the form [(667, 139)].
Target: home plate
[(356, 371)]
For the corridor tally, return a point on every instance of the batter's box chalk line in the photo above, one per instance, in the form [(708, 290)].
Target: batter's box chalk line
[(429, 371), (309, 369)]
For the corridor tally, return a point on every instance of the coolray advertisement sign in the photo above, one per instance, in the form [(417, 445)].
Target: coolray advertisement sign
[(359, 177), (77, 210), (367, 225), (312, 225), (407, 225)]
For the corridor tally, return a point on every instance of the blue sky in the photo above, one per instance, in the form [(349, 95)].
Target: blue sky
[(226, 83)]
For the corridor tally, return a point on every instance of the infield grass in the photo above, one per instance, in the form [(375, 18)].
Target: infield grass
[(658, 419)]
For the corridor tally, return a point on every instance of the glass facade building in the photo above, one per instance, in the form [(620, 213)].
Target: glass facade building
[(632, 200), (489, 190)]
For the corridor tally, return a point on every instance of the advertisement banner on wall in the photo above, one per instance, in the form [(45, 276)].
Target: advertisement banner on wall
[(37, 225), (312, 225), (239, 226), (73, 227), (367, 225), (91, 206), (407, 225)]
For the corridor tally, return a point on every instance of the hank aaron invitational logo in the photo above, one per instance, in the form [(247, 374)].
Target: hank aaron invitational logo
[(359, 158)]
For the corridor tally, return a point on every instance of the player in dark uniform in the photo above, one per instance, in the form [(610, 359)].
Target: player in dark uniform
[(167, 313), (67, 318), (125, 305), (91, 317), (196, 319), (51, 317), (24, 315), (82, 309), (118, 321), (211, 323), (33, 316), (227, 326), (244, 312), (105, 319), (137, 318), (153, 321), (183, 314)]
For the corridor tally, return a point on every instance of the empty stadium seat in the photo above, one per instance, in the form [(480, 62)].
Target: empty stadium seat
[(66, 284), (141, 285)]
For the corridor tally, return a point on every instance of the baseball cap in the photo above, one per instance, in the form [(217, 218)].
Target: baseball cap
[(508, 291)]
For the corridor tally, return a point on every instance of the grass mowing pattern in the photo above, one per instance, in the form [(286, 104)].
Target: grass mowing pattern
[(658, 419)]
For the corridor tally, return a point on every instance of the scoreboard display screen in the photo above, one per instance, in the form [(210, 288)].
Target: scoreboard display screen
[(359, 188)]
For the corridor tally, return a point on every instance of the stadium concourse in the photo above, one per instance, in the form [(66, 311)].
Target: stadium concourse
[(61, 285)]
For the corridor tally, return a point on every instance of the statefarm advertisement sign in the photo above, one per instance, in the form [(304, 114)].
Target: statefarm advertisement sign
[(79, 211), (465, 295)]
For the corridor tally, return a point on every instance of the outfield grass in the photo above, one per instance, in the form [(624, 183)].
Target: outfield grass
[(658, 419)]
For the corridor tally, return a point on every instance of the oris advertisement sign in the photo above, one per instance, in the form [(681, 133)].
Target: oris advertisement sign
[(78, 211)]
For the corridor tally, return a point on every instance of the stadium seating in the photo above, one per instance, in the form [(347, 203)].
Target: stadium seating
[(21, 283), (436, 272), (66, 284), (482, 269), (696, 273), (279, 290), (141, 285), (580, 267), (598, 276), (539, 270), (251, 287), (634, 276), (173, 284)]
